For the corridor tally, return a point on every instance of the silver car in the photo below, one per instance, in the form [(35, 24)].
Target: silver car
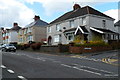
[(8, 47)]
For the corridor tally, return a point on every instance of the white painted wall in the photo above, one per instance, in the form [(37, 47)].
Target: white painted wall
[(13, 36), (96, 21)]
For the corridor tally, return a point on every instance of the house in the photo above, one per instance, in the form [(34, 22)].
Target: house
[(84, 22), (10, 35), (33, 32), (117, 27), (1, 29)]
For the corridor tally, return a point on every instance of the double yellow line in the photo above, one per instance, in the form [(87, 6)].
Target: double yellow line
[(110, 61)]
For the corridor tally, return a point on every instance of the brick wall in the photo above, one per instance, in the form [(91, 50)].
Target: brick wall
[(82, 49)]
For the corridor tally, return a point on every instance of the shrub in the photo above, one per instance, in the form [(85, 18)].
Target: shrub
[(93, 43), (115, 45), (36, 46), (26, 46)]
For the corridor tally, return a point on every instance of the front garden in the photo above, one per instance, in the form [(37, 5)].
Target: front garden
[(72, 47)]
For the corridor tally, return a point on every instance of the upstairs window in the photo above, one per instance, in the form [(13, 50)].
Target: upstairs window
[(29, 30), (58, 27), (83, 20), (72, 23), (104, 23), (49, 29)]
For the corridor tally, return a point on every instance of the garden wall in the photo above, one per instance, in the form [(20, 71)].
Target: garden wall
[(54, 48), (83, 49)]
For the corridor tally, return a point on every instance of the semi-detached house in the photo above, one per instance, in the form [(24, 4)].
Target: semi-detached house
[(33, 32), (10, 35), (87, 23)]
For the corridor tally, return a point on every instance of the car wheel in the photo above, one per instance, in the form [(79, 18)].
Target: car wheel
[(14, 51)]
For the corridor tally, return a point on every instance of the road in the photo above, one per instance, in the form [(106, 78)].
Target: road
[(25, 65)]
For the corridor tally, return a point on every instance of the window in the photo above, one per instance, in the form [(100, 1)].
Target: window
[(49, 29), (30, 38), (20, 40), (58, 27), (104, 23), (83, 20), (70, 37), (25, 31), (29, 30), (20, 32), (56, 38), (72, 23)]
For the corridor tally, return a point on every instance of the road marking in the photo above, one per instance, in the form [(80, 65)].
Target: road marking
[(81, 69), (108, 61), (11, 71), (86, 71), (66, 65), (111, 75), (95, 69), (2, 66), (57, 61), (21, 77)]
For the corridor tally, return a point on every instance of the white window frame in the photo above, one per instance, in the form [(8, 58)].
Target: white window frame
[(70, 35), (49, 29), (72, 25), (84, 21), (104, 23), (57, 27), (57, 38), (30, 38)]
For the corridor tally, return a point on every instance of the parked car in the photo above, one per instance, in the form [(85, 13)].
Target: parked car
[(8, 47), (0, 46)]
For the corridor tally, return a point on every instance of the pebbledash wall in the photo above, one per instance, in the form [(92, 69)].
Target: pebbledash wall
[(55, 48)]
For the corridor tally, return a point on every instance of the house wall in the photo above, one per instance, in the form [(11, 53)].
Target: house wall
[(0, 36), (39, 33), (96, 21), (117, 29), (13, 36)]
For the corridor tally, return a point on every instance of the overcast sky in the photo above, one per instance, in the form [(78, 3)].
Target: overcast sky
[(23, 11)]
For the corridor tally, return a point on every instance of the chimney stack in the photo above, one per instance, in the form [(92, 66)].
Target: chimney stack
[(15, 24), (36, 18), (76, 6)]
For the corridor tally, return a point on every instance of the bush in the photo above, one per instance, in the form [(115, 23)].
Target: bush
[(26, 46), (93, 43), (115, 45), (35, 46)]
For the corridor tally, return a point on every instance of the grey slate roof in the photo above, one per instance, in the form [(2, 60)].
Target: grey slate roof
[(105, 30), (39, 23), (79, 12), (68, 30), (16, 28), (84, 29), (117, 23), (74, 29)]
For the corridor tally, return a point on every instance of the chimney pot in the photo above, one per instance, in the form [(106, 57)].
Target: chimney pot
[(76, 6), (15, 24), (36, 18)]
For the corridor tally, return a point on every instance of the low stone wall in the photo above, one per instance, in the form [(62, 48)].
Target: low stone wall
[(55, 48), (83, 49)]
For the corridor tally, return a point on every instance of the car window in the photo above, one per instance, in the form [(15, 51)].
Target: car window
[(11, 45)]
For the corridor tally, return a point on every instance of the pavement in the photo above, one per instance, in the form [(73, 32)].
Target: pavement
[(109, 57), (113, 60)]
